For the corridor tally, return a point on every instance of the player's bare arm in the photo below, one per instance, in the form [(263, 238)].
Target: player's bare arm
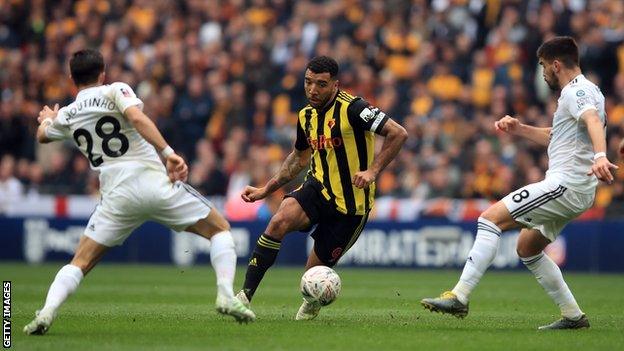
[(513, 126), (46, 117), (176, 166), (602, 167), (394, 138), (295, 162), (621, 149)]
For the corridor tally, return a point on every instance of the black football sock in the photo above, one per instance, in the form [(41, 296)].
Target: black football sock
[(261, 260)]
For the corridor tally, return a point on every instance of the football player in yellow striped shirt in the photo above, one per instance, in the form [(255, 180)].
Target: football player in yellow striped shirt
[(335, 141)]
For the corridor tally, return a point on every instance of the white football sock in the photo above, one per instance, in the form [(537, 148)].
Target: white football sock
[(223, 259), (550, 278), (479, 259), (65, 283)]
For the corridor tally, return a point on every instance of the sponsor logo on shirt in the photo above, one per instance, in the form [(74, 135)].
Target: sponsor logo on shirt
[(582, 101), (324, 143)]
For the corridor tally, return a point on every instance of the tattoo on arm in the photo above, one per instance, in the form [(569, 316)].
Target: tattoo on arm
[(295, 162)]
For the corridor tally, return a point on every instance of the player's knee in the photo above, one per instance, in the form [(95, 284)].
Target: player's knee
[(216, 229), (490, 215), (211, 225), (279, 226), (521, 251), (499, 215), (220, 224), (525, 250)]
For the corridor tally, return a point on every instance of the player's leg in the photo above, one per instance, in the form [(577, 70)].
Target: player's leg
[(289, 217), (490, 225), (111, 223), (216, 228), (517, 209), (332, 240), (88, 254), (313, 261), (333, 237), (550, 217), (222, 254), (309, 310), (181, 208), (531, 244)]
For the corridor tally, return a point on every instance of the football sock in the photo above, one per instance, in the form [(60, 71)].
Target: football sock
[(223, 259), (550, 278), (479, 258), (65, 283), (261, 260)]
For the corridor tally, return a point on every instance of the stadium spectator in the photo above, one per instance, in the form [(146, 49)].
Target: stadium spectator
[(11, 189), (230, 72)]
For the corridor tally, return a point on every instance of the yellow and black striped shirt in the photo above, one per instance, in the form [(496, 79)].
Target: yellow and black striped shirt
[(343, 142)]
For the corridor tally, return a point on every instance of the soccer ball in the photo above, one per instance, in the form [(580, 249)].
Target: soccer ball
[(320, 284)]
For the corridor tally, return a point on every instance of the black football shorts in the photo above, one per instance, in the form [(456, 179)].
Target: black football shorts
[(335, 232)]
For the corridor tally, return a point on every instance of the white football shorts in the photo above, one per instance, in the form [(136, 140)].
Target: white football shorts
[(148, 196), (547, 206)]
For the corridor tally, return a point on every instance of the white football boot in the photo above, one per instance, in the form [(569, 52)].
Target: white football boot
[(308, 311), (235, 308), (42, 322), (242, 297)]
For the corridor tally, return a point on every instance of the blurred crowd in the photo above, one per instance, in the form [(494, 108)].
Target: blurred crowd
[(223, 80)]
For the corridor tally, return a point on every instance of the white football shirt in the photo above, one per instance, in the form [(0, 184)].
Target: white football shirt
[(570, 151), (96, 124)]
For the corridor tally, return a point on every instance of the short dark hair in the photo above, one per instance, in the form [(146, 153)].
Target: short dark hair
[(563, 49), (323, 64), (85, 66)]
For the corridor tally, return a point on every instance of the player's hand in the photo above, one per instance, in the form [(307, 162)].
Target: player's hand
[(47, 112), (602, 170), (363, 179), (176, 168), (251, 194), (507, 124)]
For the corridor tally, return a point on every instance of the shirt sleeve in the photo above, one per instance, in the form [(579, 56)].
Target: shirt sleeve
[(59, 129), (124, 97), (364, 116), (580, 100), (302, 141)]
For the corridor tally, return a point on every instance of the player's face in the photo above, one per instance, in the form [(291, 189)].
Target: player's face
[(549, 74), (319, 88)]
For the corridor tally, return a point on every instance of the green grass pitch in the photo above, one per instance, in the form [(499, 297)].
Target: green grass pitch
[(130, 307)]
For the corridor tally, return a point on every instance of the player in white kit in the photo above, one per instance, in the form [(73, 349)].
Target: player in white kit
[(577, 160), (108, 126)]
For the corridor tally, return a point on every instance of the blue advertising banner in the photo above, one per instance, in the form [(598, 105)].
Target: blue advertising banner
[(432, 243)]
